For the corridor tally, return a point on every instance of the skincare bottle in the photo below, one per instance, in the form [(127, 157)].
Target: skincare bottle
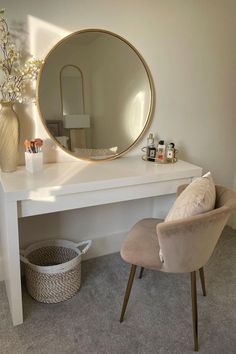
[(170, 152), (151, 150), (161, 151)]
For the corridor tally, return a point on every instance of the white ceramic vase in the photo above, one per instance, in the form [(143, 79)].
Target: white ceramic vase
[(9, 137)]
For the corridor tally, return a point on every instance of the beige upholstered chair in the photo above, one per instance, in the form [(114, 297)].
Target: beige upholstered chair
[(186, 245)]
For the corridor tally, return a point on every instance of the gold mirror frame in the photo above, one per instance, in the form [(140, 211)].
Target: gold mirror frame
[(150, 81)]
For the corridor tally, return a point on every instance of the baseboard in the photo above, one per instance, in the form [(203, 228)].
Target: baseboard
[(105, 245), (1, 270)]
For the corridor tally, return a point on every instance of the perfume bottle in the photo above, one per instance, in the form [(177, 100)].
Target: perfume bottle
[(170, 152), (151, 150), (161, 151)]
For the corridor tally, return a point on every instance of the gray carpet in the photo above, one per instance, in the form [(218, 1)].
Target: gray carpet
[(158, 317)]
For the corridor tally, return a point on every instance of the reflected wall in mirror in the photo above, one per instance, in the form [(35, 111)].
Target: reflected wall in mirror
[(72, 100), (72, 92), (99, 87)]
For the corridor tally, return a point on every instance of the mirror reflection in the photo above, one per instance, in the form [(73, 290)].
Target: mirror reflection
[(94, 94), (74, 119)]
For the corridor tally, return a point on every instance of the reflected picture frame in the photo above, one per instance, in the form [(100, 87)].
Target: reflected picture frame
[(55, 127)]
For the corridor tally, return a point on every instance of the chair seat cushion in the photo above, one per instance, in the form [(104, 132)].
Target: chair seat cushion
[(141, 246)]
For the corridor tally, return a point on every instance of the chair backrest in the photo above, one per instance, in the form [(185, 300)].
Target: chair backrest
[(187, 244)]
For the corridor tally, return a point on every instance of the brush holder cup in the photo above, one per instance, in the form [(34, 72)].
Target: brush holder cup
[(34, 162)]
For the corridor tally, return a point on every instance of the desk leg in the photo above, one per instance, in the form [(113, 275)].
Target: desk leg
[(11, 259)]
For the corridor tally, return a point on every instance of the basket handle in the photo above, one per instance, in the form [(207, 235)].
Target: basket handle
[(86, 248), (24, 260), (23, 257)]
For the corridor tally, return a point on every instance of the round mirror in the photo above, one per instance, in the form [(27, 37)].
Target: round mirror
[(95, 94)]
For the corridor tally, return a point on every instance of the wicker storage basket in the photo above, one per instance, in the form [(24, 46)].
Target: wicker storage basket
[(53, 269)]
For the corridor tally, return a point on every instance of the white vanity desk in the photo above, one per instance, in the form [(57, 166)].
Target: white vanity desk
[(72, 185)]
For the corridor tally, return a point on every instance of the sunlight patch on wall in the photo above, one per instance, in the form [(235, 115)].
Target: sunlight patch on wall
[(137, 115), (43, 36)]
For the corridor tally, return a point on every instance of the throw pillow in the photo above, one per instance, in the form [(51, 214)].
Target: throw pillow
[(198, 197)]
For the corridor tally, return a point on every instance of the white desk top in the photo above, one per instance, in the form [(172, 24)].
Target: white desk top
[(73, 177)]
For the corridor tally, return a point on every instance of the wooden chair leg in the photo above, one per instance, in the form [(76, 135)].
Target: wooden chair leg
[(202, 277), (128, 290), (141, 272), (194, 309)]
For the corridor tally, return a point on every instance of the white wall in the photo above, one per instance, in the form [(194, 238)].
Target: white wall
[(190, 49)]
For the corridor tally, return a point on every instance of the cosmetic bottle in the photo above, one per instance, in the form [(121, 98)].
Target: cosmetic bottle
[(161, 151), (170, 152), (151, 150)]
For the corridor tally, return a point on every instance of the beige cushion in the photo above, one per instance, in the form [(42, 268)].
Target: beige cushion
[(197, 198)]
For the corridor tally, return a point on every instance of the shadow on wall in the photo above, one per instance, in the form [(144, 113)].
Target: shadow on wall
[(20, 37), (24, 111), (182, 153)]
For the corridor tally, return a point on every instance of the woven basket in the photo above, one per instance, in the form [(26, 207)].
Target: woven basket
[(53, 269)]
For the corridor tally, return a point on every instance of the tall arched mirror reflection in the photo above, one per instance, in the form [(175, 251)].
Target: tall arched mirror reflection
[(72, 92), (75, 121), (95, 94)]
